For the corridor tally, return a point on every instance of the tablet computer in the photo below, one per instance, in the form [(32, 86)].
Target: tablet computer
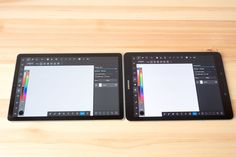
[(66, 87), (176, 86)]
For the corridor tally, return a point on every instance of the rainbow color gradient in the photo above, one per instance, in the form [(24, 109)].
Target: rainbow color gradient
[(25, 83), (140, 86)]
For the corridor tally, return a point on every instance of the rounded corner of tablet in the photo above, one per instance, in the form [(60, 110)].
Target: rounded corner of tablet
[(129, 119), (19, 55), (217, 53), (122, 117), (126, 54), (231, 116), (9, 118)]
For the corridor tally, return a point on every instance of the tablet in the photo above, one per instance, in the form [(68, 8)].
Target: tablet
[(66, 87), (176, 86)]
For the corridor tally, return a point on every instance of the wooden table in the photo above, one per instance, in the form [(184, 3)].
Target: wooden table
[(116, 26)]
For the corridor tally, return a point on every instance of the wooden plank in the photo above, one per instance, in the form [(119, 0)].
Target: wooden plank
[(51, 26)]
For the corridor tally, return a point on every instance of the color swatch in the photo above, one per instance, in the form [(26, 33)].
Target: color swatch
[(25, 83), (140, 90)]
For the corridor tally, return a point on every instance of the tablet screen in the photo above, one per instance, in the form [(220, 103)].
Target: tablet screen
[(71, 86), (175, 85)]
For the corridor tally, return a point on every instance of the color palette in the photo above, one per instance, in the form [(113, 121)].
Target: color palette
[(24, 88), (24, 85), (140, 90)]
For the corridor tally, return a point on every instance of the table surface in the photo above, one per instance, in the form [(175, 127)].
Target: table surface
[(32, 26)]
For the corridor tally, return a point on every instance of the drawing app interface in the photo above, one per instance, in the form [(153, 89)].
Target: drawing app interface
[(67, 86), (167, 85)]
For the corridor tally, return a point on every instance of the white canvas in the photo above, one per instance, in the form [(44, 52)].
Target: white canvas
[(168, 88), (59, 88)]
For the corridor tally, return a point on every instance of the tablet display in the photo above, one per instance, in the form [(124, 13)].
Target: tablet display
[(176, 86), (75, 86)]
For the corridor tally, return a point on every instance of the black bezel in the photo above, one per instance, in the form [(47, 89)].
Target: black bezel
[(120, 116), (221, 78)]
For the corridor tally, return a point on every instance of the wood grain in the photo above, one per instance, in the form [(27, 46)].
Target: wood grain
[(31, 26)]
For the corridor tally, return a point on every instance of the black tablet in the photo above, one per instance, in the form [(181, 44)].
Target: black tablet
[(66, 87), (176, 86)]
